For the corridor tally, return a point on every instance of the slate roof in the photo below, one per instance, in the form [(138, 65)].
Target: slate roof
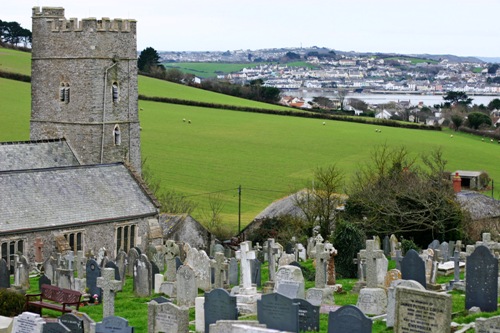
[(76, 195), (36, 154), (479, 205)]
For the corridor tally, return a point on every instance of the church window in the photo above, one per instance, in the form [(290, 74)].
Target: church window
[(117, 137), (75, 240), (66, 93), (125, 237), (114, 91), (9, 248), (61, 92)]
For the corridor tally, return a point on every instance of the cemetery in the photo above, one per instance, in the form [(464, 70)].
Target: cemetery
[(261, 289)]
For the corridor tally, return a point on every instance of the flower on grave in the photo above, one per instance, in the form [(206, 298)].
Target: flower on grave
[(96, 298)]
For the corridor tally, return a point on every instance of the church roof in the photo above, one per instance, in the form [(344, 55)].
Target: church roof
[(52, 198), (36, 154)]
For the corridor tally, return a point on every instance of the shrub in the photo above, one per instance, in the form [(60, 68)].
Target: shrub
[(407, 245), (11, 303), (350, 240)]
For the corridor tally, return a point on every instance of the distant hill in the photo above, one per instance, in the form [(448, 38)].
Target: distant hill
[(490, 59)]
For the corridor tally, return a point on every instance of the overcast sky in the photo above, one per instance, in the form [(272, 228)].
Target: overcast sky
[(459, 27)]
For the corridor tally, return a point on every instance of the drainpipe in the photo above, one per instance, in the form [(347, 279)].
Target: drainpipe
[(104, 107)]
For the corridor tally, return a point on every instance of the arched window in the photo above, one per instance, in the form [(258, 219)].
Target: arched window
[(61, 92), (66, 93), (114, 91), (117, 137)]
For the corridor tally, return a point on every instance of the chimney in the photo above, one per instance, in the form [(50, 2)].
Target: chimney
[(457, 183)]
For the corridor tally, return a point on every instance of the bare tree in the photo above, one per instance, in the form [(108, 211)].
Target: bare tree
[(341, 95)]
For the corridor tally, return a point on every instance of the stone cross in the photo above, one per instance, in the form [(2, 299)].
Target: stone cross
[(257, 248), (321, 257), (220, 268), (371, 254), (172, 251), (38, 249), (69, 258), (272, 251), (109, 286), (245, 255)]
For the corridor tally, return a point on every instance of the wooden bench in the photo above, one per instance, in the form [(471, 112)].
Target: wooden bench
[(60, 299)]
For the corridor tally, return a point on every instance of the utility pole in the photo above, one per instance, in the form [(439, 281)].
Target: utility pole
[(239, 209)]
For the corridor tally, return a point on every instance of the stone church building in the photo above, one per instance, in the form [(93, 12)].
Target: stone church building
[(75, 185)]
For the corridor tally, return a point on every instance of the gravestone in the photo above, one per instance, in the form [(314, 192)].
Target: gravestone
[(154, 270), (121, 263), (349, 319), (55, 327), (255, 269), (422, 311), (286, 259), (481, 282), (391, 298), (272, 253), (219, 305), (331, 274), (133, 255), (66, 278), (200, 263), (142, 277), (109, 285), (278, 312), (113, 325), (290, 282), (219, 266), (167, 317), (322, 256), (74, 323), (394, 245), (413, 268), (370, 255), (434, 245), (4, 274), (487, 325), (93, 271), (80, 264), (391, 276), (245, 255), (27, 322), (386, 246), (43, 280), (444, 250), (21, 272), (186, 286), (233, 272), (112, 265), (171, 253), (308, 315)]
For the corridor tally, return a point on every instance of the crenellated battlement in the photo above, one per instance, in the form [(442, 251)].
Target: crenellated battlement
[(58, 23)]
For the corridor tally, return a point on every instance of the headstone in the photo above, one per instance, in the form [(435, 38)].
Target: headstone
[(121, 263), (394, 245), (101, 253), (391, 298), (161, 300), (487, 325), (113, 325), (219, 266), (413, 268), (142, 277), (133, 255), (200, 263), (386, 246), (155, 270), (290, 282), (80, 264), (278, 312), (43, 280), (112, 265), (233, 272), (109, 286), (272, 252), (422, 311), (308, 315), (322, 258), (255, 268), (21, 272), (286, 259), (245, 255), (219, 305), (481, 282), (4, 274), (444, 251), (372, 301), (27, 322), (239, 326), (71, 321), (88, 323), (348, 319), (93, 271), (167, 317), (391, 276), (434, 245), (171, 253), (55, 327), (300, 251), (66, 278), (49, 268), (371, 254), (186, 286)]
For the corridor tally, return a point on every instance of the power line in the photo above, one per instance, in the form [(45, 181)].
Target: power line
[(208, 193)]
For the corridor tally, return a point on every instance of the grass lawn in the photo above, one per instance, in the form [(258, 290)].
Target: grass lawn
[(15, 61), (134, 309)]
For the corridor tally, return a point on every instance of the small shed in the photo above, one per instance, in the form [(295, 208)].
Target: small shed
[(473, 180)]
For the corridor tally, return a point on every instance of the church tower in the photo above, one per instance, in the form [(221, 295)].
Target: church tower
[(84, 86)]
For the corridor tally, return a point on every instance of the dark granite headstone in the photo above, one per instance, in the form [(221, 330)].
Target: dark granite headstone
[(161, 300), (451, 249), (74, 323), (308, 315), (111, 264), (289, 248), (178, 263), (4, 274), (43, 280), (278, 312), (55, 327), (113, 324), (219, 305), (255, 269), (349, 319), (138, 250), (481, 282), (386, 246), (212, 275), (296, 264), (93, 271), (233, 271), (154, 270), (413, 268)]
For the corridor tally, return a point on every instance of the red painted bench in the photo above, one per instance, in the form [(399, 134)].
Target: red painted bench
[(54, 298)]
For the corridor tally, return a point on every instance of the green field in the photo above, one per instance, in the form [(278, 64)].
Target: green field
[(268, 155), (15, 61), (212, 69)]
